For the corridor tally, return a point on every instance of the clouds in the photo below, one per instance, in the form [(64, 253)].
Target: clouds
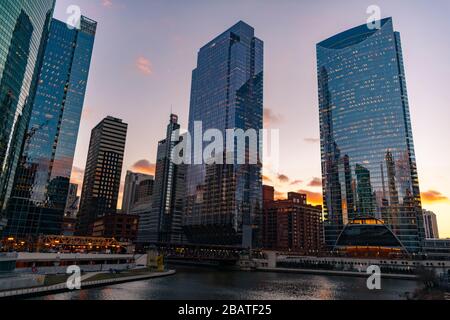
[(295, 182), (315, 183), (271, 118), (312, 140), (107, 3), (144, 166), (266, 179), (283, 178), (315, 198), (144, 66), (77, 178), (433, 196)]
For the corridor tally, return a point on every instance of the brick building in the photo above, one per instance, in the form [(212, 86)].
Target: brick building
[(291, 224)]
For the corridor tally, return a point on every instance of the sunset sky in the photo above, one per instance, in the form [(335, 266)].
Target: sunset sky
[(146, 49)]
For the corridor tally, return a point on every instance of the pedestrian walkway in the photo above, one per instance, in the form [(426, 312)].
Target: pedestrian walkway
[(89, 275)]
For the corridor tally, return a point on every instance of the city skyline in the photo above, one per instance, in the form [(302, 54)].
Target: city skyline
[(145, 66)]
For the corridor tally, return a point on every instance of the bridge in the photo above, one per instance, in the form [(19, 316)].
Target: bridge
[(200, 254)]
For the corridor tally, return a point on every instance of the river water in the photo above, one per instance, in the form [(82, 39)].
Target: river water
[(210, 284)]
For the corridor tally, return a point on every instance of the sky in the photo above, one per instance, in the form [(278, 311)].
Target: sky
[(145, 52)]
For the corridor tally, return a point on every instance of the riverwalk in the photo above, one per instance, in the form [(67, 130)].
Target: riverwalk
[(85, 284)]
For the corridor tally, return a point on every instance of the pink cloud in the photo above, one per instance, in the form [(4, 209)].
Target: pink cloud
[(144, 65), (107, 3)]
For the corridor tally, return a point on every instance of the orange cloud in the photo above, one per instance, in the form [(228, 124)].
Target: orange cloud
[(314, 198), (312, 140), (77, 177), (293, 183), (144, 166), (315, 182), (144, 65), (271, 118), (283, 178), (266, 179), (279, 195), (432, 196)]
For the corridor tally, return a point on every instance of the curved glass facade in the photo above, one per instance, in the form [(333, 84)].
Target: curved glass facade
[(41, 184), (23, 28), (368, 160), (368, 235)]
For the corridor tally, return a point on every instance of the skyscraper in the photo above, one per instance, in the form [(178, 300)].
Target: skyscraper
[(431, 225), (102, 174), (368, 160), (73, 201), (24, 29), (41, 185), (224, 201), (164, 222), (137, 185)]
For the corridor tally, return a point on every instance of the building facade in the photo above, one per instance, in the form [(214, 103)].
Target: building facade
[(42, 178), (137, 187), (122, 227), (24, 30), (163, 223), (431, 225), (291, 224), (102, 175), (368, 160), (224, 201)]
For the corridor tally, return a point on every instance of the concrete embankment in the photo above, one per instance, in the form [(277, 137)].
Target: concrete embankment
[(62, 287), (338, 273)]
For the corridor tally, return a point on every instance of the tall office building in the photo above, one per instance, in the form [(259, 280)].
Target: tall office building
[(368, 160), (41, 185), (431, 225), (137, 187), (224, 201), (102, 174), (24, 28), (163, 224)]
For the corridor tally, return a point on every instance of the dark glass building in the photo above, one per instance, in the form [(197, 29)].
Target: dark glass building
[(163, 223), (137, 187), (224, 201), (102, 175), (24, 28), (41, 185), (368, 160)]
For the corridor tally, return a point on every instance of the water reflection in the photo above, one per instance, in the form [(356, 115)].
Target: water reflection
[(207, 284)]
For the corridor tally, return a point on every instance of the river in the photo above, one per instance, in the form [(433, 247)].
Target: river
[(210, 284)]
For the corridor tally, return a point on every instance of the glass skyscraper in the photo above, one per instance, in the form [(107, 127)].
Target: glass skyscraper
[(368, 160), (41, 185), (163, 224), (23, 30), (224, 201)]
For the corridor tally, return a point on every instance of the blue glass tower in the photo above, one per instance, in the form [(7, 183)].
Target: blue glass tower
[(23, 29), (39, 194), (368, 160), (224, 201)]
